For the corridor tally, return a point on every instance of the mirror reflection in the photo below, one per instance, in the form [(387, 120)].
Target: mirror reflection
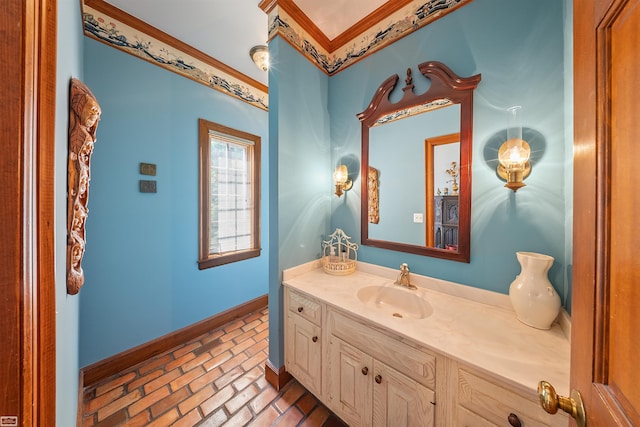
[(416, 159), (406, 193), (442, 160)]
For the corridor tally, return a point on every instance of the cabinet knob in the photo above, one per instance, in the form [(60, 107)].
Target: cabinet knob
[(365, 370), (378, 378), (514, 420), (314, 339), (300, 309)]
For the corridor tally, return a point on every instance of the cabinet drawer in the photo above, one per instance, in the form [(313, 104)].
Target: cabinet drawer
[(469, 419), (305, 307), (413, 361), (494, 403)]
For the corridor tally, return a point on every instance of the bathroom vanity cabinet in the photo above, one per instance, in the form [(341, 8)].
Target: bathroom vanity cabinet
[(376, 379), (371, 374), (303, 330)]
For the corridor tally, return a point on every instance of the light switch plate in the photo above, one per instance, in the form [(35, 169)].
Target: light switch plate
[(418, 218)]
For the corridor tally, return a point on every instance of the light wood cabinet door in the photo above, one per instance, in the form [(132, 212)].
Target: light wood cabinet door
[(400, 401), (349, 383), (303, 352)]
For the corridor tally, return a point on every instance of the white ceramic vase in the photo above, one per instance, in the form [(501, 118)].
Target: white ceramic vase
[(534, 300)]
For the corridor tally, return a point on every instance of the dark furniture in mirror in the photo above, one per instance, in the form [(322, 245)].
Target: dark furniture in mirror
[(408, 221), (445, 223)]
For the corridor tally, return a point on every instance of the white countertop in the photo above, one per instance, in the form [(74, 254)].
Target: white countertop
[(471, 325)]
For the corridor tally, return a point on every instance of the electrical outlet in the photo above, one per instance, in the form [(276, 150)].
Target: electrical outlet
[(418, 218)]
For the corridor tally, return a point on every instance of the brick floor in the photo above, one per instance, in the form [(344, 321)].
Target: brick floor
[(214, 380)]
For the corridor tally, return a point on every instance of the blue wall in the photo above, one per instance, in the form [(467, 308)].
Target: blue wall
[(519, 48), (69, 64), (299, 132), (141, 274)]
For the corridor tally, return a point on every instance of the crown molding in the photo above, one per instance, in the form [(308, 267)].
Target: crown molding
[(305, 22), (114, 27), (384, 26), (367, 22)]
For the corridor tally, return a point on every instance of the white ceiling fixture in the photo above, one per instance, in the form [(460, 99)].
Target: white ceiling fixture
[(260, 56)]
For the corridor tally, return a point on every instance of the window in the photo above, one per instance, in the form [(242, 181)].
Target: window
[(229, 195)]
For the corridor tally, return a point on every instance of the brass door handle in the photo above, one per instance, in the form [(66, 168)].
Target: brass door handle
[(365, 370), (550, 402)]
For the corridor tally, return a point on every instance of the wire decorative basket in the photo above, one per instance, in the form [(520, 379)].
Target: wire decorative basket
[(339, 255)]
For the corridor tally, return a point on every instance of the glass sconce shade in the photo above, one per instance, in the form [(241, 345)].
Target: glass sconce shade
[(513, 155), (341, 180)]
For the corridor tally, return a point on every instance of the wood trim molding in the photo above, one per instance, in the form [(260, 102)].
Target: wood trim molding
[(429, 146), (367, 22), (267, 5), (105, 368), (27, 267), (117, 29), (206, 128), (277, 377), (45, 185), (286, 19), (346, 36), (133, 22), (80, 415), (382, 27), (305, 22)]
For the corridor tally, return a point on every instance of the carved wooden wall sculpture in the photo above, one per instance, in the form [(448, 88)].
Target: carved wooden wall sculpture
[(372, 190), (84, 114)]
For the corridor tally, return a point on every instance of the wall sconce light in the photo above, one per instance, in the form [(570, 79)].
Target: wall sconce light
[(341, 180), (260, 56), (514, 154)]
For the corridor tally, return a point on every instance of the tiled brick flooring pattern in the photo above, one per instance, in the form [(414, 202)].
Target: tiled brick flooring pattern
[(217, 379)]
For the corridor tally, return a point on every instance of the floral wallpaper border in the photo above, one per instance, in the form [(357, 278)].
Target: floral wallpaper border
[(412, 111), (130, 40), (133, 41), (408, 19)]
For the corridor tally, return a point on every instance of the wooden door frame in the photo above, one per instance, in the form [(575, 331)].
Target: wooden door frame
[(584, 195), (429, 156), (27, 217)]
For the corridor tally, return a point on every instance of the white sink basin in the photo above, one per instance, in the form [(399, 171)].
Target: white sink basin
[(397, 301)]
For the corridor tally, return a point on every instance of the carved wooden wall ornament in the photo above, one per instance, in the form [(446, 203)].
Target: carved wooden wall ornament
[(84, 114), (372, 186)]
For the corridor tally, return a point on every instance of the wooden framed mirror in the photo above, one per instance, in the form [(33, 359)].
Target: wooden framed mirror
[(407, 146)]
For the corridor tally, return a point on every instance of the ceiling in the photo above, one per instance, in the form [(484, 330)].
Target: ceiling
[(227, 29)]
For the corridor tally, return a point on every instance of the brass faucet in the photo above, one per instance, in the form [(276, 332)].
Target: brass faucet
[(403, 277)]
